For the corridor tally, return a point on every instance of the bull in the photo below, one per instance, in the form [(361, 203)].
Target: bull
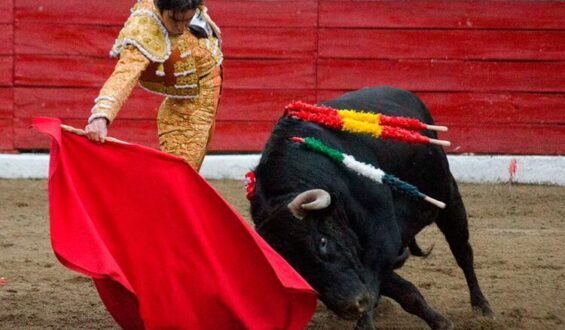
[(346, 235)]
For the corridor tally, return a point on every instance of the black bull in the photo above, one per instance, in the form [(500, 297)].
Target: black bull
[(348, 245)]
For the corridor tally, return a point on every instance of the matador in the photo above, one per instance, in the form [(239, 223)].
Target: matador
[(186, 68)]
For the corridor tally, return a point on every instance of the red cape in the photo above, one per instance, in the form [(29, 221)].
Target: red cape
[(164, 248)]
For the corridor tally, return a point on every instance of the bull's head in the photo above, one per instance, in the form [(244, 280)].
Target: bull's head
[(316, 236), (331, 257)]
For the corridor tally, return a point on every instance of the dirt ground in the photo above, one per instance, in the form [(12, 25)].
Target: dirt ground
[(517, 232)]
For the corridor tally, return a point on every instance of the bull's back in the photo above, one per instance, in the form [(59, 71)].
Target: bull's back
[(385, 100), (298, 169), (422, 165)]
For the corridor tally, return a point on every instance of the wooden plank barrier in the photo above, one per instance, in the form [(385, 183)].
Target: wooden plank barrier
[(490, 108), (7, 70), (6, 103), (80, 71), (434, 14), (6, 11), (6, 39), (490, 70), (442, 44), (507, 139), (236, 104), (57, 39), (6, 135), (227, 13), (443, 75)]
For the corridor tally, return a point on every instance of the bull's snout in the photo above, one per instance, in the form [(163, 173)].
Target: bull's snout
[(361, 303), (355, 307)]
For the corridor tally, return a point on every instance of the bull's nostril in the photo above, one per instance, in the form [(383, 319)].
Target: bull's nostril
[(362, 303)]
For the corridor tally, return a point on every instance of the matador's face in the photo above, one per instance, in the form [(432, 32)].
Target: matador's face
[(177, 22)]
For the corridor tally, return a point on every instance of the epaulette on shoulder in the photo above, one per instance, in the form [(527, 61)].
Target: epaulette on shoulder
[(145, 31)]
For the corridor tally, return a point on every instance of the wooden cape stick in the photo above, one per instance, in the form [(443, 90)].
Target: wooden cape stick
[(83, 133)]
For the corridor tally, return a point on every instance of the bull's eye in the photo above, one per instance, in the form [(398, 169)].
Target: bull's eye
[(323, 246)]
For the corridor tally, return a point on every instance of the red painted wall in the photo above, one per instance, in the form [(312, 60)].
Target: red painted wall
[(493, 71)]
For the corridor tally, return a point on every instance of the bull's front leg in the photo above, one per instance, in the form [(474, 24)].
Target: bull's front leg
[(408, 296)]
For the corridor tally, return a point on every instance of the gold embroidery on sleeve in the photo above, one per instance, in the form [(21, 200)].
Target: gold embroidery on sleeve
[(118, 87)]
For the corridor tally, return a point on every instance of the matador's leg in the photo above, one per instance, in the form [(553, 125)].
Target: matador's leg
[(186, 126)]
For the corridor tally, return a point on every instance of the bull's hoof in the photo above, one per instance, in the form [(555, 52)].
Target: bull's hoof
[(442, 324), (484, 310)]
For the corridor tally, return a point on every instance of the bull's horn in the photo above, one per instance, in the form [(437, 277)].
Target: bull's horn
[(315, 199)]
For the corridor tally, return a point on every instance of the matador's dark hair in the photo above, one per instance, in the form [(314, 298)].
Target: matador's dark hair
[(178, 5)]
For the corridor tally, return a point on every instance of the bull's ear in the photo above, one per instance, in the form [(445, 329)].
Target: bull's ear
[(315, 199)]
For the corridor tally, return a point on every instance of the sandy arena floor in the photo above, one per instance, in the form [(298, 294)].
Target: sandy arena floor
[(517, 232)]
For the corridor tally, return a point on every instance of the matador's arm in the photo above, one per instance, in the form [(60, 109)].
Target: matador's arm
[(118, 87)]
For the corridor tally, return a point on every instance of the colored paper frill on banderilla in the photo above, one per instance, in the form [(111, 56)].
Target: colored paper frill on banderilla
[(165, 250)]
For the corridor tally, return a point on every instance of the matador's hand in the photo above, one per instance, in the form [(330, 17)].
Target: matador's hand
[(97, 130)]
